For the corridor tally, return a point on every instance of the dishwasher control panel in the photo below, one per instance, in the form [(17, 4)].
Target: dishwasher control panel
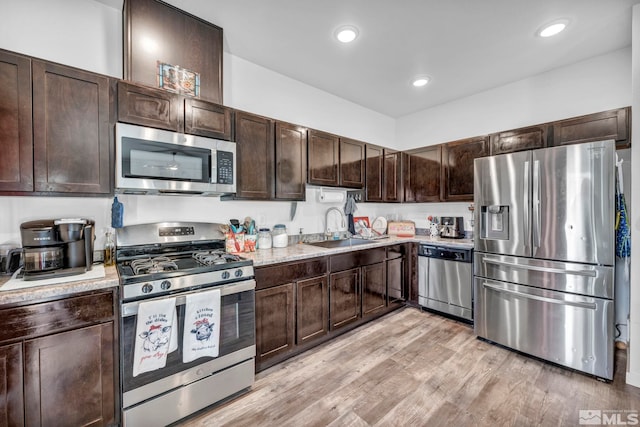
[(447, 253)]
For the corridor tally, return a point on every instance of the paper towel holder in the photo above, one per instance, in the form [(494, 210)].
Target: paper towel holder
[(330, 196)]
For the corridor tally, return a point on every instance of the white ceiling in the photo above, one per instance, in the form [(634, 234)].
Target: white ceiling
[(465, 46)]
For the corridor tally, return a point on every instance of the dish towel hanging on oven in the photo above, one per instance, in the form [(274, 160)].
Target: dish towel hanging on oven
[(201, 325), (153, 334)]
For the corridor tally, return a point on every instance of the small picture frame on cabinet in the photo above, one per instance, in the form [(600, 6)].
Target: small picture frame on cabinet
[(177, 79)]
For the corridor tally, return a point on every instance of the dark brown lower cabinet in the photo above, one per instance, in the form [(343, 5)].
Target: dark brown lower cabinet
[(395, 280), (68, 378), (344, 297), (11, 389), (312, 309), (60, 362), (374, 288), (275, 321)]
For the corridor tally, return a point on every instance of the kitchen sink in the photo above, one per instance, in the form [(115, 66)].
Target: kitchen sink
[(340, 243)]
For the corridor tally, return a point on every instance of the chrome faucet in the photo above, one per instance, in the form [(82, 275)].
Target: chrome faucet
[(343, 221)]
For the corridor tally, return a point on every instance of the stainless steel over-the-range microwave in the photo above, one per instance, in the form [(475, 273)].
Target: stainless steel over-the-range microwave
[(154, 161)]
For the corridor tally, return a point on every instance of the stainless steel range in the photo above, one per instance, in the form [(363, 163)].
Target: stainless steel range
[(173, 260)]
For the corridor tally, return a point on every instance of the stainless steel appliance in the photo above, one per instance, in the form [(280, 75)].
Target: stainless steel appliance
[(154, 161), (452, 227), (57, 247), (173, 260), (445, 280), (10, 258), (544, 254)]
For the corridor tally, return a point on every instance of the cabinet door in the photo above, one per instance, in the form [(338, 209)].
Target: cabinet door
[(392, 187), (374, 169), (291, 161), (16, 134), (69, 378), (179, 39), (207, 119), (351, 163), (519, 139), (374, 288), (324, 158), (146, 106), (256, 152), (11, 387), (395, 280), (422, 175), (275, 321), (457, 167), (345, 297), (72, 145), (312, 297), (612, 124)]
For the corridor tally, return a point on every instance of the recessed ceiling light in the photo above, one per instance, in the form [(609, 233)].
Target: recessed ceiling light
[(552, 28), (420, 81), (346, 34)]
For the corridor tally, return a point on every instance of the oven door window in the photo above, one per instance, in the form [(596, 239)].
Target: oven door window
[(158, 160), (237, 331)]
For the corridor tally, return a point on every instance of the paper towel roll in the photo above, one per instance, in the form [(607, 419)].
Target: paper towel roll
[(330, 197)]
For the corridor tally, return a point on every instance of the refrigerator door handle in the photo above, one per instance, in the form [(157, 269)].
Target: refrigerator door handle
[(587, 305), (536, 204), (588, 273), (526, 219)]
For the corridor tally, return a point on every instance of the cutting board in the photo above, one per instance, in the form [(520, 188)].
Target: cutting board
[(401, 228)]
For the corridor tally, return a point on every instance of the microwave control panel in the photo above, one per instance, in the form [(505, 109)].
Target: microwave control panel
[(225, 167)]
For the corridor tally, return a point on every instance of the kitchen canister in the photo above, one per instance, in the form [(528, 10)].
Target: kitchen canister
[(279, 236), (264, 238)]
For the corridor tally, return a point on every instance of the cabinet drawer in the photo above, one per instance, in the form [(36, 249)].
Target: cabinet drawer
[(54, 316), (356, 259), (289, 272)]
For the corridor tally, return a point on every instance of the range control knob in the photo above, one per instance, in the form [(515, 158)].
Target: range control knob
[(225, 275), (238, 273), (147, 288), (165, 285)]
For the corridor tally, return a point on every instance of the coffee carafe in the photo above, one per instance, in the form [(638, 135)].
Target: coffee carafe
[(57, 247)]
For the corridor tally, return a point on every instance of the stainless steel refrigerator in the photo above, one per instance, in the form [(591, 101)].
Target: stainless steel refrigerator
[(544, 254)]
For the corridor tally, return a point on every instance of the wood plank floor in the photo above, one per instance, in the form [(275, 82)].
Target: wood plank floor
[(413, 368)]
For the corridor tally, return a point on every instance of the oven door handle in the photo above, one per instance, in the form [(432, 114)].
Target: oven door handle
[(131, 308)]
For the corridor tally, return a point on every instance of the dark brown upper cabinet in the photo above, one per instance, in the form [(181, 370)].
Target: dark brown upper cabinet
[(422, 175), (16, 131), (335, 161), (291, 161), (392, 176), (457, 167), (324, 158), (374, 173), (256, 153), (352, 159), (612, 124), (155, 32), (145, 106), (528, 138), (384, 174)]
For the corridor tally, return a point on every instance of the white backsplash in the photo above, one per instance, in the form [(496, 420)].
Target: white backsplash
[(310, 214)]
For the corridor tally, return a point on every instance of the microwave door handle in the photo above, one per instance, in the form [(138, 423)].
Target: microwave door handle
[(526, 219), (214, 167)]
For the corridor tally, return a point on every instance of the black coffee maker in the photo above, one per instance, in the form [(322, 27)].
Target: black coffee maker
[(57, 247)]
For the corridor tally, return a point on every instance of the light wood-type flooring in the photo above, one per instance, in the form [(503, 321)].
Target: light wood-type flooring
[(413, 368)]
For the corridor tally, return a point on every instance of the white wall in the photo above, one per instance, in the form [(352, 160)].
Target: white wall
[(598, 84), (633, 368)]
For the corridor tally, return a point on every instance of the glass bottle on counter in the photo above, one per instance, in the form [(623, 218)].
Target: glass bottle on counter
[(264, 239), (109, 250)]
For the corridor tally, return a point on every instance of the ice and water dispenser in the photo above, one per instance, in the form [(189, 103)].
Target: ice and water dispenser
[(494, 222)]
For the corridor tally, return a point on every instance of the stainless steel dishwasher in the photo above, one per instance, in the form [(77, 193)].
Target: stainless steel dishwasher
[(445, 280)]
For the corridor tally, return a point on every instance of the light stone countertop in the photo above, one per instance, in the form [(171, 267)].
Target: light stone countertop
[(43, 292), (260, 258)]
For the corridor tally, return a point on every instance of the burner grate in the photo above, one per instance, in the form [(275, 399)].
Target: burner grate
[(214, 257), (153, 265)]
